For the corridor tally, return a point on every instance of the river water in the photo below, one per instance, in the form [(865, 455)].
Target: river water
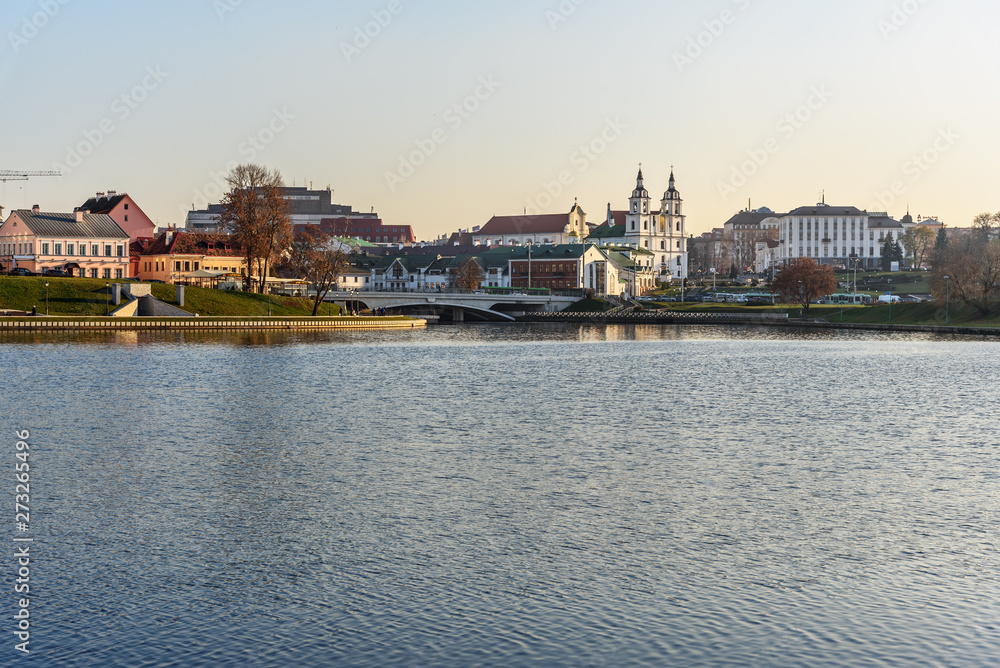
[(505, 496)]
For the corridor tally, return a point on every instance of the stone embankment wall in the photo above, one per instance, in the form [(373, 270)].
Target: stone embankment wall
[(203, 324)]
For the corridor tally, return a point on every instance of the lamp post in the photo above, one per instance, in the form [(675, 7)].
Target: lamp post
[(107, 299), (46, 297), (947, 300), (890, 301)]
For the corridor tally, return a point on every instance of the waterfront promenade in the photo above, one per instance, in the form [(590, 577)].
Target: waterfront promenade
[(50, 324)]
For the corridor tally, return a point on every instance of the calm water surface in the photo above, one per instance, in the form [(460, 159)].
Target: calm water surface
[(505, 496)]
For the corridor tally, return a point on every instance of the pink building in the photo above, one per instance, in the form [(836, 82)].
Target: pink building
[(82, 244), (124, 211)]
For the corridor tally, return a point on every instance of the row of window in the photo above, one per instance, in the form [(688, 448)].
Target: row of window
[(814, 252), (81, 250)]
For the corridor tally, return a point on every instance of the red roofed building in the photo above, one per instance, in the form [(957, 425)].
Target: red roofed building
[(124, 211), (173, 256), (557, 228), (372, 230)]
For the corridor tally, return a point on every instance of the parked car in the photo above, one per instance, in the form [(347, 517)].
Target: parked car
[(55, 272), (20, 271)]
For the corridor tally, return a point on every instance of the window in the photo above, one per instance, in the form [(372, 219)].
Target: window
[(177, 266), (93, 273), (45, 248), (70, 248), (58, 249), (121, 250), (118, 273), (196, 266), (95, 250), (126, 208), (107, 253), (126, 218), (107, 273)]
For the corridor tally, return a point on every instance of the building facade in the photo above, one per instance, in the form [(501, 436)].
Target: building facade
[(660, 231), (82, 244), (557, 229), (307, 207), (174, 257)]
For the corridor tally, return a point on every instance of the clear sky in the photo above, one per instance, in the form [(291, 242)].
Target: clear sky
[(771, 101)]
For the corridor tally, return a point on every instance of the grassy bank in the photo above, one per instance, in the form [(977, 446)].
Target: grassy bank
[(88, 296)]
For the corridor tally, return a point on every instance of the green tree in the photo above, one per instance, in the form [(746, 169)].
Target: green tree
[(888, 249), (942, 240)]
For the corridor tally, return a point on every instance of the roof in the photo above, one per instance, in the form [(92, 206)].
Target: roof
[(606, 231), (821, 210), (554, 223), (193, 243), (93, 226), (883, 222), (104, 204), (754, 217)]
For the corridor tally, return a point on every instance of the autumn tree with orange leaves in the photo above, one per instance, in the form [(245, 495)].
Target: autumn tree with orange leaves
[(803, 282)]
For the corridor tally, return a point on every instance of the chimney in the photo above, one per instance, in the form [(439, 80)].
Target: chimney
[(112, 193), (35, 209), (78, 214), (99, 197)]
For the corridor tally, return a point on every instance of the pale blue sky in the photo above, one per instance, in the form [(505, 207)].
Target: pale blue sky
[(606, 76)]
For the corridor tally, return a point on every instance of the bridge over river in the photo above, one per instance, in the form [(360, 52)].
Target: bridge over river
[(455, 307)]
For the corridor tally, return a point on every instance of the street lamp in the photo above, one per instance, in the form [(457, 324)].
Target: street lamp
[(46, 297), (107, 299), (947, 300), (890, 301)]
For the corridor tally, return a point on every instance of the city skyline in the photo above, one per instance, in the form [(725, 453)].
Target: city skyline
[(442, 117)]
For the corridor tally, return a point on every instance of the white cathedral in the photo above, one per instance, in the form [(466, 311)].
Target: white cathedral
[(661, 232)]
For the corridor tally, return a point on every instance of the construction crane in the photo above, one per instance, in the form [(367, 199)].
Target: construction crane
[(20, 175)]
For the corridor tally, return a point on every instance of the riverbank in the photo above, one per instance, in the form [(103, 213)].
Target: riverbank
[(51, 324), (752, 319), (72, 297)]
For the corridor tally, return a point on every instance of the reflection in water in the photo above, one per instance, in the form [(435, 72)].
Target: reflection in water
[(470, 334)]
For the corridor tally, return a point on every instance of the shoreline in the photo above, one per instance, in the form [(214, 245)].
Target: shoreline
[(282, 323), (742, 320)]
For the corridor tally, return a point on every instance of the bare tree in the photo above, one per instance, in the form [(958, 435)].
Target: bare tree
[(803, 282), (918, 241), (986, 224), (320, 259), (973, 271), (467, 276), (256, 213)]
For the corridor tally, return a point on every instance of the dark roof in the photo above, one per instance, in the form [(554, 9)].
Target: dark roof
[(193, 243), (827, 211), (882, 222), (554, 223), (103, 205), (755, 217), (606, 231), (94, 225)]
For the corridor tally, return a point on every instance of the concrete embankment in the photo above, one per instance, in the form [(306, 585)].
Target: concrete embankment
[(51, 324), (743, 319)]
